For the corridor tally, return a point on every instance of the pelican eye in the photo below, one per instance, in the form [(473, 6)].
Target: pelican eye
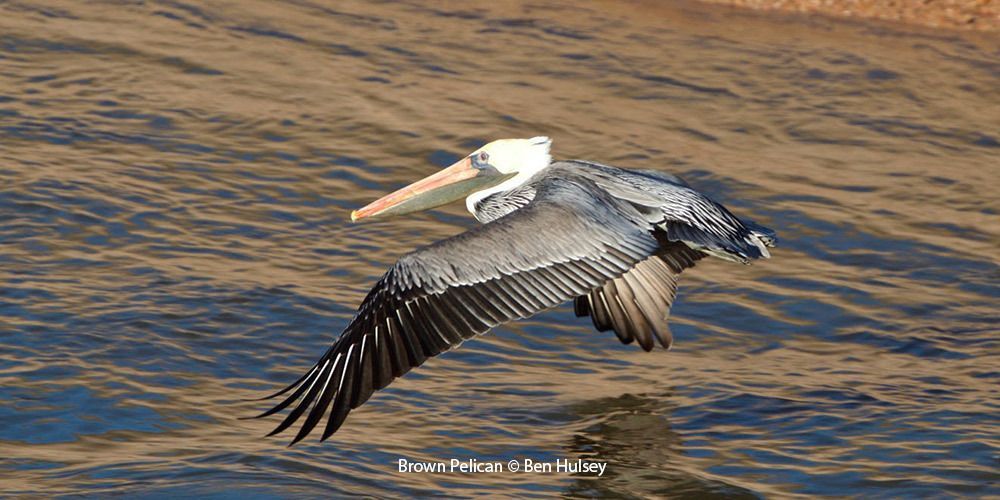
[(484, 157)]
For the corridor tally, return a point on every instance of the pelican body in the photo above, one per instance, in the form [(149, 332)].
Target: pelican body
[(612, 240)]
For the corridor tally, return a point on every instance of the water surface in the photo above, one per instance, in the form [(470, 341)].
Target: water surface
[(175, 184)]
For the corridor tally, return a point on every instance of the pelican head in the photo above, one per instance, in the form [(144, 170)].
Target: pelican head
[(499, 165)]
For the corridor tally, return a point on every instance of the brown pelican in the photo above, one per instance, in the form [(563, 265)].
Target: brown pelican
[(611, 240)]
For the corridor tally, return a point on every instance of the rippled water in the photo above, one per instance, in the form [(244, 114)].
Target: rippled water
[(176, 182)]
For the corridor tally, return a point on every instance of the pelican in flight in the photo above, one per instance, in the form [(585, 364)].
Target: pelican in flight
[(611, 240)]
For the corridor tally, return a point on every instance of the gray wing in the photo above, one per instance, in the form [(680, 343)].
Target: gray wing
[(570, 239), (685, 214)]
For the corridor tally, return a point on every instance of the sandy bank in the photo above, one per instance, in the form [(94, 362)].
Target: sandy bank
[(954, 14)]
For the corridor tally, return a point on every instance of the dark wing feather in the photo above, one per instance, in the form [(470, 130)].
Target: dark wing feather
[(570, 239), (636, 304), (685, 214)]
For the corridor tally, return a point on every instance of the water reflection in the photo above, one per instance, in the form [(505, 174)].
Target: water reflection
[(645, 457)]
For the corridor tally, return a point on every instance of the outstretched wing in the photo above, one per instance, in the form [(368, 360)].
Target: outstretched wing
[(570, 239), (685, 214)]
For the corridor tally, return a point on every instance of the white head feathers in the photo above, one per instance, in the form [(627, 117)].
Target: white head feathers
[(518, 155), (523, 157)]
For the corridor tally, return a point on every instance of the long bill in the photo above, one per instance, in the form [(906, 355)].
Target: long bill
[(451, 184)]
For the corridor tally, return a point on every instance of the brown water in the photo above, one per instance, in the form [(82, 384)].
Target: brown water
[(176, 181)]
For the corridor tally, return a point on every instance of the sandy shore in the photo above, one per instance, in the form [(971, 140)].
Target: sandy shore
[(954, 14)]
